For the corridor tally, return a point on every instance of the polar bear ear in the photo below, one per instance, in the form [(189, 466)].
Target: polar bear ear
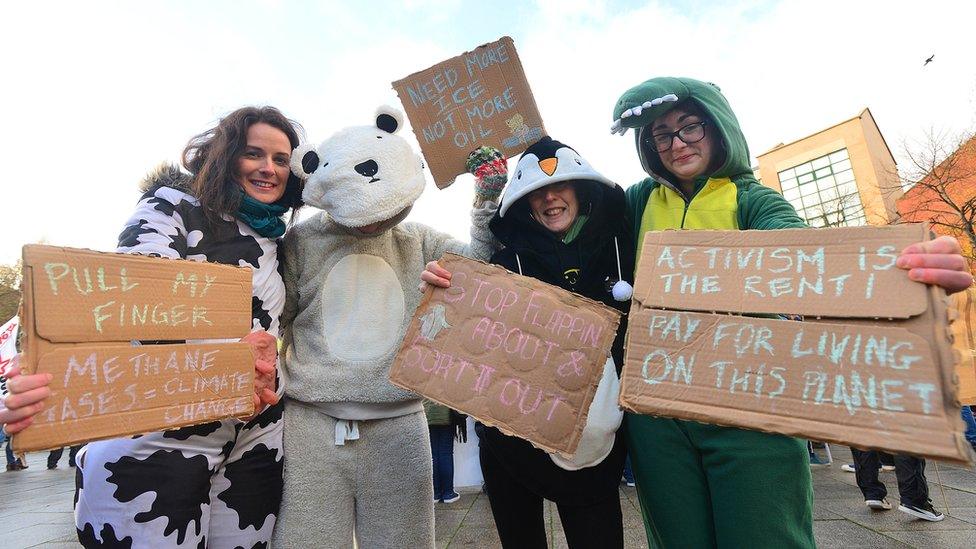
[(304, 161), (389, 119)]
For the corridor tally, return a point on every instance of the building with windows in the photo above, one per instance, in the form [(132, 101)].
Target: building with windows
[(841, 176)]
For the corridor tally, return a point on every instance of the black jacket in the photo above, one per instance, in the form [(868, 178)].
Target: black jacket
[(587, 266)]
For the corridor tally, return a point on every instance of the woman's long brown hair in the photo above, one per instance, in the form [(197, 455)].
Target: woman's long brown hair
[(212, 159)]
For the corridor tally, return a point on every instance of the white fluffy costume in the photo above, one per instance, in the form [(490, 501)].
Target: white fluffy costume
[(358, 448)]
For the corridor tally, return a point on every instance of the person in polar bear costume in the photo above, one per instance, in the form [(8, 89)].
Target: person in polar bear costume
[(359, 459)]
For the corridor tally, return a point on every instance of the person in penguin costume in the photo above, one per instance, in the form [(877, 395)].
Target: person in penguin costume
[(359, 457), (560, 222)]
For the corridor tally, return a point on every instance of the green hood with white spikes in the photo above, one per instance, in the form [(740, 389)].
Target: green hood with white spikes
[(642, 104)]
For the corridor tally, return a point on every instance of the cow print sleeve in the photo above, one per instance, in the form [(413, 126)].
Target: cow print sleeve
[(156, 227)]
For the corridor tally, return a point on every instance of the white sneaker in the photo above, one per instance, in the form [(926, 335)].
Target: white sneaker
[(849, 467), (452, 498), (924, 512), (878, 504)]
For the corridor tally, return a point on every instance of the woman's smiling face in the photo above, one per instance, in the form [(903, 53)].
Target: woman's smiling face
[(685, 160), (555, 206), (262, 168)]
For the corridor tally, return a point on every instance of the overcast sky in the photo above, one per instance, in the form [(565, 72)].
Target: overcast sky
[(97, 93)]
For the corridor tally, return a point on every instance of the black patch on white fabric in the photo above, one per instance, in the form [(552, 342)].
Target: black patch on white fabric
[(181, 485), (255, 486), (227, 449), (203, 543), (258, 545), (222, 241), (201, 430), (79, 484), (280, 253), (88, 539), (259, 313), (267, 417), (130, 235), (162, 205)]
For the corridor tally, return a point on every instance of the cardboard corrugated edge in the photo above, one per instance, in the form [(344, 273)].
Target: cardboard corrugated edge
[(615, 316), (34, 347), (517, 63), (964, 342), (940, 336)]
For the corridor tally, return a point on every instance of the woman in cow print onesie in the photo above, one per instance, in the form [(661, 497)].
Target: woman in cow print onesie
[(217, 484)]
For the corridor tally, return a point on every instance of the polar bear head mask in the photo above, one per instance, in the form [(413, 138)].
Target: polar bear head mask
[(363, 175)]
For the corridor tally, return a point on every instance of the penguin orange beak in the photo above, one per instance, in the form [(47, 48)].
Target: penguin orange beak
[(548, 165)]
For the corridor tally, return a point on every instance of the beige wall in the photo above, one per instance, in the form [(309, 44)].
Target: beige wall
[(872, 163)]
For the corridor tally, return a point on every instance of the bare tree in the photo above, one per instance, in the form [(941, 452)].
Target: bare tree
[(832, 212), (9, 290), (941, 172)]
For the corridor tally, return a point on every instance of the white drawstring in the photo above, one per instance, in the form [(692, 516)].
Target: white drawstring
[(616, 247), (519, 263)]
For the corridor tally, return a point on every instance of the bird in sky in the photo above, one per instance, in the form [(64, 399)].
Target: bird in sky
[(929, 60)]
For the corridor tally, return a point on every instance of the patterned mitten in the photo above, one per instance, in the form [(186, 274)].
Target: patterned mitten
[(490, 171)]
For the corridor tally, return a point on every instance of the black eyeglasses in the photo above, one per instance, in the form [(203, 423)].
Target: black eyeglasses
[(689, 133)]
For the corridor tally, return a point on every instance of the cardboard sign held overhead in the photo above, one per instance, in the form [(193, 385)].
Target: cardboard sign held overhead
[(82, 308), (508, 350), (851, 378), (480, 97)]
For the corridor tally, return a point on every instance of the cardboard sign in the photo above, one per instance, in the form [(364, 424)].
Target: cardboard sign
[(851, 378), (8, 342), (509, 351), (480, 97), (964, 341), (8, 349), (75, 298), (91, 296), (747, 271)]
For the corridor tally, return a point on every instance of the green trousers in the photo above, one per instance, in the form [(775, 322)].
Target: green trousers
[(706, 486)]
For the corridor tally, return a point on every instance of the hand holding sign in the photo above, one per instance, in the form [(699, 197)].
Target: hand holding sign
[(265, 349), (25, 398), (939, 262)]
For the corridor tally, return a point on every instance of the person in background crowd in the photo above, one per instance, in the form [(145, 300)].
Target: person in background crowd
[(913, 488), (886, 460), (55, 455), (690, 475), (13, 463), (445, 425), (967, 417)]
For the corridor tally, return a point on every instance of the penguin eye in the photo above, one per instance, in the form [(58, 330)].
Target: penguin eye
[(518, 175), (578, 161)]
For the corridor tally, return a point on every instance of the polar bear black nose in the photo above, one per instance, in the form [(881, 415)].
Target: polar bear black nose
[(367, 169)]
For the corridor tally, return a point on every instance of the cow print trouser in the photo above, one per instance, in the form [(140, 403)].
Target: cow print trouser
[(214, 485)]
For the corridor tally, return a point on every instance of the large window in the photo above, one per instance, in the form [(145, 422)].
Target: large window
[(823, 191)]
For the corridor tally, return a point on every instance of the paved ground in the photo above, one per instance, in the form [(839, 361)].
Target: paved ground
[(35, 511)]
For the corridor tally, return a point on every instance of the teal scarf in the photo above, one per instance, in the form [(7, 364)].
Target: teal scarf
[(265, 219)]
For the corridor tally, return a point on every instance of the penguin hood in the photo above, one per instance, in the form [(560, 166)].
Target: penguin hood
[(546, 162), (639, 106)]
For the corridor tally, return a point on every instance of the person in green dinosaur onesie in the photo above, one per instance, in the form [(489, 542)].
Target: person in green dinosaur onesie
[(706, 485)]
